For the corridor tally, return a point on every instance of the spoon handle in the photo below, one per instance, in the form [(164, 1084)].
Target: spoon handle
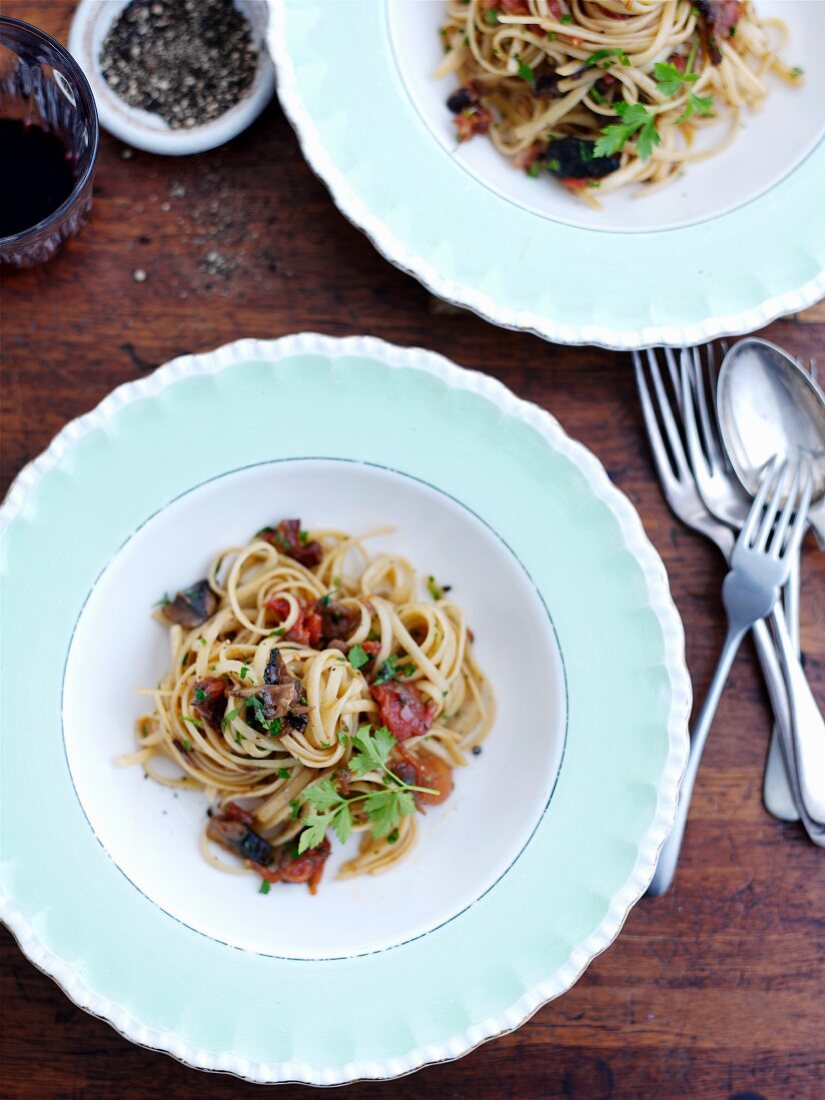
[(807, 726)]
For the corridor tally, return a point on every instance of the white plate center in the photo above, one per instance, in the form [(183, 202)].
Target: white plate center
[(464, 846)]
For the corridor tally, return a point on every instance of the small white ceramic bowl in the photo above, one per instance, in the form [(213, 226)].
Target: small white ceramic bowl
[(144, 130)]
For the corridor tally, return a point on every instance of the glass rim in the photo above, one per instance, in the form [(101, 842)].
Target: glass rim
[(81, 83)]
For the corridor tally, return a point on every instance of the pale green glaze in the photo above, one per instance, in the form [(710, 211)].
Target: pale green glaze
[(565, 896)]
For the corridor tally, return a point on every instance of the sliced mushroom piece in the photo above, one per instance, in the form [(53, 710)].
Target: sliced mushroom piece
[(192, 606)]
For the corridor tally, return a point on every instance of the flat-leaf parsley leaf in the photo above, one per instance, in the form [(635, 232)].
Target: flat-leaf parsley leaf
[(669, 81), (696, 104), (525, 72), (605, 58), (358, 656), (636, 120)]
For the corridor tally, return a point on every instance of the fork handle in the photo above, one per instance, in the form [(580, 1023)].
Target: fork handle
[(807, 726), (669, 855)]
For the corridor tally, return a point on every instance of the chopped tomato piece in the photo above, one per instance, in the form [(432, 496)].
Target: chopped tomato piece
[(722, 15), (424, 769), (237, 813), (473, 120), (403, 709), (287, 537), (306, 868), (307, 628), (279, 605), (527, 157)]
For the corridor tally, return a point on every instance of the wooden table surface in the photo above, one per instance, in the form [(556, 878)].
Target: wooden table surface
[(715, 990)]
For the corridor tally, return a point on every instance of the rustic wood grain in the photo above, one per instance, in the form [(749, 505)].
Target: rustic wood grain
[(712, 991)]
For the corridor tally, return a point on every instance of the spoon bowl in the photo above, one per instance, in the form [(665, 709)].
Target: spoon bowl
[(768, 407)]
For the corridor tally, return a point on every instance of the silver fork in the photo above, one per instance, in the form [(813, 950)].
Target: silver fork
[(685, 502), (726, 499), (760, 564)]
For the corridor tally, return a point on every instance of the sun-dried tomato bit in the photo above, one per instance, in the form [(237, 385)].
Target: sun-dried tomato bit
[(289, 538), (403, 709)]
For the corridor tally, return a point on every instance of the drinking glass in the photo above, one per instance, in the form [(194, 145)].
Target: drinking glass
[(42, 84)]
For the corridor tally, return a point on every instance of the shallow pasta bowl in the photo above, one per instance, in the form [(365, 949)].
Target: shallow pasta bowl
[(553, 830), (733, 243)]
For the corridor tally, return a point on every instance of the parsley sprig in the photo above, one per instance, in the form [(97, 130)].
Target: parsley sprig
[(670, 82), (384, 807), (524, 71), (605, 58), (391, 670), (358, 656), (636, 121), (696, 104)]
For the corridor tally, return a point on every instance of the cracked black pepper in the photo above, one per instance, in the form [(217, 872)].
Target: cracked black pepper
[(188, 61)]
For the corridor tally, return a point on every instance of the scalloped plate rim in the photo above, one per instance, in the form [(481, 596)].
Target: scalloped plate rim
[(636, 542)]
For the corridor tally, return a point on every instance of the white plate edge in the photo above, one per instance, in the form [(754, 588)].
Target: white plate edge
[(661, 602)]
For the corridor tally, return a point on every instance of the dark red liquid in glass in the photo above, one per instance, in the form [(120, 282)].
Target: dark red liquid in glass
[(36, 175)]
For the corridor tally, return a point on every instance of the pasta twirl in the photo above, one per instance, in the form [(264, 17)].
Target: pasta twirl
[(313, 690), (603, 93)]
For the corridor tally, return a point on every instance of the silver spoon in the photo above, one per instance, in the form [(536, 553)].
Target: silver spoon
[(768, 406)]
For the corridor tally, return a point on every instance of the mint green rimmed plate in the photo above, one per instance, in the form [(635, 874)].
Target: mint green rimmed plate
[(553, 831), (735, 242)]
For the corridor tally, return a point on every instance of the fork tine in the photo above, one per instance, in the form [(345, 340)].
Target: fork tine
[(800, 519), (772, 509), (661, 458), (673, 371), (710, 428), (750, 525), (698, 461), (812, 370), (671, 428), (782, 524)]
